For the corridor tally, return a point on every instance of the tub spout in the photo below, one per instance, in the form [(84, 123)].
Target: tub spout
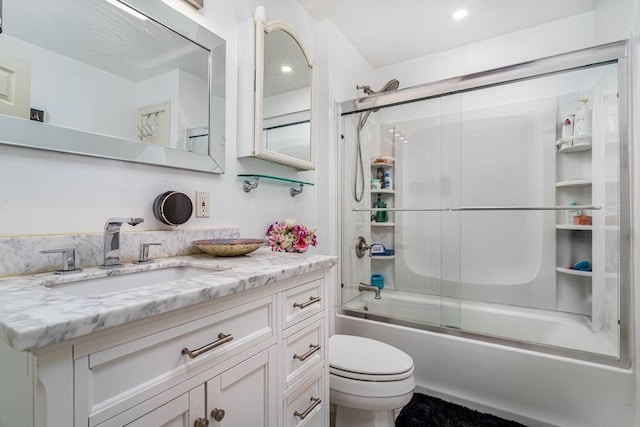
[(365, 287)]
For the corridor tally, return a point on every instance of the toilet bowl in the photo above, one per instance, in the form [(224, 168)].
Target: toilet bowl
[(368, 381)]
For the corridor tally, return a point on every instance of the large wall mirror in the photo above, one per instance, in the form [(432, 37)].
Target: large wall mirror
[(284, 97), (138, 82)]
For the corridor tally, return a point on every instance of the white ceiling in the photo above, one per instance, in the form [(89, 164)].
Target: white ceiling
[(390, 31)]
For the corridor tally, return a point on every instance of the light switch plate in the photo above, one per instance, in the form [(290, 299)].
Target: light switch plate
[(202, 204)]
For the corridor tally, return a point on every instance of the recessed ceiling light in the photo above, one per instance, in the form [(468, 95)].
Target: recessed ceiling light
[(459, 14), (286, 69)]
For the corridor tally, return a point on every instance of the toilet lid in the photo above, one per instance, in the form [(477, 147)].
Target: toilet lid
[(361, 355)]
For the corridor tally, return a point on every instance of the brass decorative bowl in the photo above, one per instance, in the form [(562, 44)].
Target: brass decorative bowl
[(228, 247)]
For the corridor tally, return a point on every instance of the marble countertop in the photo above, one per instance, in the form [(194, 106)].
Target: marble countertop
[(33, 314)]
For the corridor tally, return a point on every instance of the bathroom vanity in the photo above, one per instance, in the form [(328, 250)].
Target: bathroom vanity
[(240, 345)]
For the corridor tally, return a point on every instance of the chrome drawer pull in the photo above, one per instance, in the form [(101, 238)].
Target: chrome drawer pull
[(313, 349), (315, 402), (222, 338), (308, 303)]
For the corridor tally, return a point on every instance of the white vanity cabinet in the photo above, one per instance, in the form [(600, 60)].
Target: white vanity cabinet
[(255, 358)]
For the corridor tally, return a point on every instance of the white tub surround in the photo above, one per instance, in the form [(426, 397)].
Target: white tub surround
[(33, 314)]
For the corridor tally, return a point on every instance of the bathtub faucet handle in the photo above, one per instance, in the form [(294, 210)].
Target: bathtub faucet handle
[(362, 247)]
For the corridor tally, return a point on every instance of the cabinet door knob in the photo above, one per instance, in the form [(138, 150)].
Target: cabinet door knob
[(217, 414), (201, 422)]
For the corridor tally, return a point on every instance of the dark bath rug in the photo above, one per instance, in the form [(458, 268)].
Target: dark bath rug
[(428, 411)]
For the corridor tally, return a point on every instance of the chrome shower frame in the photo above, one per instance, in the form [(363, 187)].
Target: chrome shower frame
[(616, 52)]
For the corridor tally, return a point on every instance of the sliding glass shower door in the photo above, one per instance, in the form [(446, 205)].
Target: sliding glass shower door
[(493, 211)]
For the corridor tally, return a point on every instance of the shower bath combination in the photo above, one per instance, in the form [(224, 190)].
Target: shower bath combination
[(359, 166), (478, 208)]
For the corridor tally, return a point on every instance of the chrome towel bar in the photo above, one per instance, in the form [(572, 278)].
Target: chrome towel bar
[(483, 208)]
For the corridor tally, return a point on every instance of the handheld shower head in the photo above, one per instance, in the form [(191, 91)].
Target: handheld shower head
[(391, 85)]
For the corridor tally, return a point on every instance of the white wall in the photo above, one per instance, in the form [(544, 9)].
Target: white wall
[(59, 82), (54, 193), (533, 388)]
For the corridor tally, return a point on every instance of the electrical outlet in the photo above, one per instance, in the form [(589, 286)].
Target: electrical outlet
[(202, 204)]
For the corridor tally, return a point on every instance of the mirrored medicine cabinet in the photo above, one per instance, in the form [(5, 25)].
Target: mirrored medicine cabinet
[(130, 80), (282, 99)]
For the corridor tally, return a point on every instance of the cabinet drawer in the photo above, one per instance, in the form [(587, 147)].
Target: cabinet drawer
[(128, 373), (303, 351), (306, 405), (302, 302)]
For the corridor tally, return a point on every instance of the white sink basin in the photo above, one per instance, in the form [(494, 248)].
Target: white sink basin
[(130, 280)]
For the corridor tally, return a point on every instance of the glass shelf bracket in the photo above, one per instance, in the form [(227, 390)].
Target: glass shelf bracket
[(249, 185)]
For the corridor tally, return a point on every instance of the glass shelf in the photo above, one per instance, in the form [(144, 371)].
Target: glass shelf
[(247, 185)]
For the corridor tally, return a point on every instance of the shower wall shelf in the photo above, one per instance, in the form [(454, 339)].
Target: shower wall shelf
[(574, 183), (384, 232), (574, 272), (575, 164), (577, 143), (574, 227), (248, 185), (388, 163)]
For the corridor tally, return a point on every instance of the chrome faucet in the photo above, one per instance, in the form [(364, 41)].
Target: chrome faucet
[(112, 240), (365, 287)]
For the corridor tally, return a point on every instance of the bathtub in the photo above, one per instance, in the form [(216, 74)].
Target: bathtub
[(527, 385), (528, 325)]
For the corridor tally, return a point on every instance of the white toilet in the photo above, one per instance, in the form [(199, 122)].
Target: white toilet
[(368, 381)]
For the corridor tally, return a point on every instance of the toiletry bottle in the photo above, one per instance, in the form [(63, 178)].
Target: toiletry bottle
[(380, 176), (571, 213), (388, 184), (582, 122), (381, 216)]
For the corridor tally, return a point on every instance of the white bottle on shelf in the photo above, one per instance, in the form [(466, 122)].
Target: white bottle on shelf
[(582, 121), (388, 183), (571, 213)]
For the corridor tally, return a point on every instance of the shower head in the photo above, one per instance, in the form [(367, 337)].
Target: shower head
[(391, 85)]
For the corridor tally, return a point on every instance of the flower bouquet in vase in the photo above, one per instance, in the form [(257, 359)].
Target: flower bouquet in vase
[(289, 236)]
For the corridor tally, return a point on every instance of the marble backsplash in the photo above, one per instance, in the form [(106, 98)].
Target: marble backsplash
[(21, 255)]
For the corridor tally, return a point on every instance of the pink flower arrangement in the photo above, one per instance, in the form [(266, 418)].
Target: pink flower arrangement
[(289, 236)]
